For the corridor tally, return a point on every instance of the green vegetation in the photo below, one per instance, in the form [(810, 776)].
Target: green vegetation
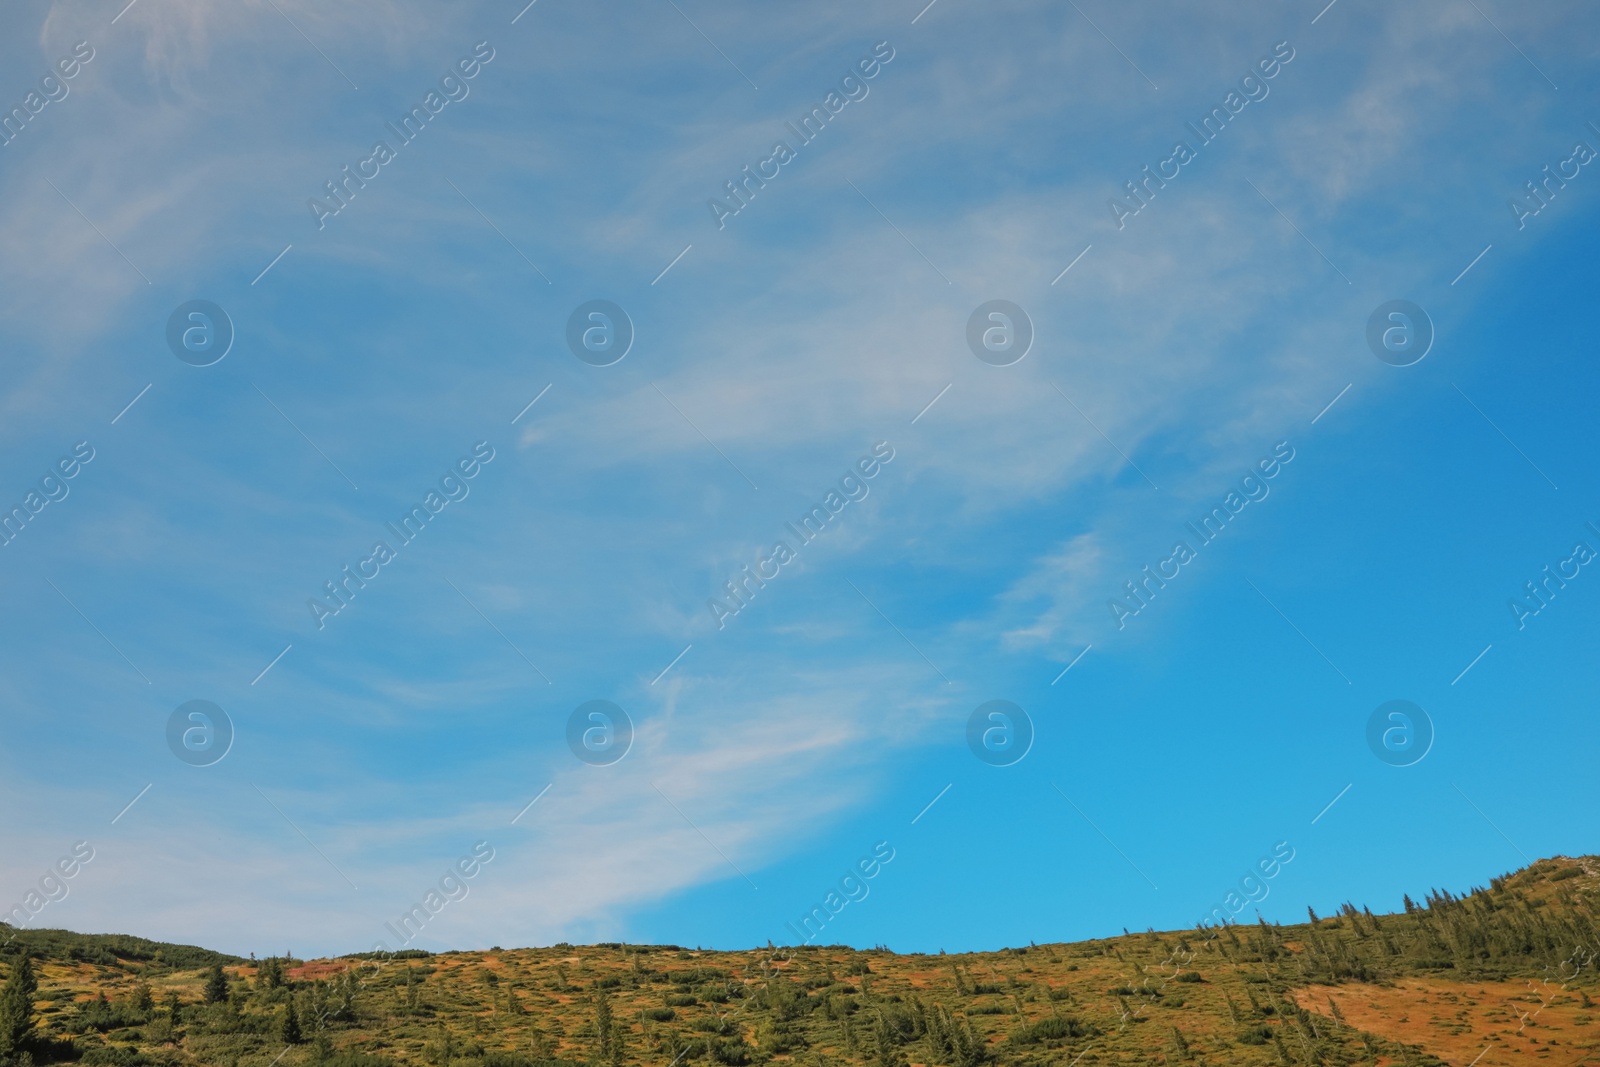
[(16, 1009), (1241, 995)]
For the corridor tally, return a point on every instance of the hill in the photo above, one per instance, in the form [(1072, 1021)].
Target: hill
[(1504, 974)]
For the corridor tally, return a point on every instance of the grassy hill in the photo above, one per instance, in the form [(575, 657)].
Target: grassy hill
[(1504, 974)]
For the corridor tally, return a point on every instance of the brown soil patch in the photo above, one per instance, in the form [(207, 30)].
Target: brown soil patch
[(324, 969), (1520, 1022)]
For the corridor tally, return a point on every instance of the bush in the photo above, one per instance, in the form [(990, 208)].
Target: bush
[(1055, 1028), (660, 1015), (733, 1052), (112, 1056), (779, 1040), (1256, 1035)]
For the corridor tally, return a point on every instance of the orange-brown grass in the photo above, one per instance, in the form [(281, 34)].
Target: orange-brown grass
[(1496, 1024), (1179, 998)]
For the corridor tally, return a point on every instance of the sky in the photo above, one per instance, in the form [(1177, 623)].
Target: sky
[(1403, 500)]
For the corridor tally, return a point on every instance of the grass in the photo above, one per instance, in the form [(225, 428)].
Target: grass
[(1504, 973)]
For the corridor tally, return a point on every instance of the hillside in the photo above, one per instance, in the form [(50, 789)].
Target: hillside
[(1504, 974)]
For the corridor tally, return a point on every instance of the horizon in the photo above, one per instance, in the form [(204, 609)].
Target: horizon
[(1026, 471), (404, 953)]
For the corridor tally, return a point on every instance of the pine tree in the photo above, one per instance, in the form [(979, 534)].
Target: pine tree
[(884, 1044), (543, 1048), (342, 1002), (270, 974), (413, 994), (976, 1050), (16, 1007), (1179, 1043), (603, 1027), (317, 1008), (143, 1001), (289, 1028), (216, 985)]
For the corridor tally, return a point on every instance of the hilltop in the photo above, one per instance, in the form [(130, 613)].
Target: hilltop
[(1505, 974)]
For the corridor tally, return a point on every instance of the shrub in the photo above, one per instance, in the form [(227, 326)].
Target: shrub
[(1055, 1028), (1256, 1035), (112, 1056), (733, 1052)]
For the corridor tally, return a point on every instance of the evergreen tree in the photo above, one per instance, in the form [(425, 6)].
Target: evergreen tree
[(413, 990), (16, 1007), (216, 985), (289, 1028), (974, 1051), (269, 975), (317, 1006), (884, 1044), (1180, 1044), (144, 1003), (344, 1001), (604, 1028)]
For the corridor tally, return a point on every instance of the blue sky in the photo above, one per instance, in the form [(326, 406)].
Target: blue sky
[(371, 354)]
